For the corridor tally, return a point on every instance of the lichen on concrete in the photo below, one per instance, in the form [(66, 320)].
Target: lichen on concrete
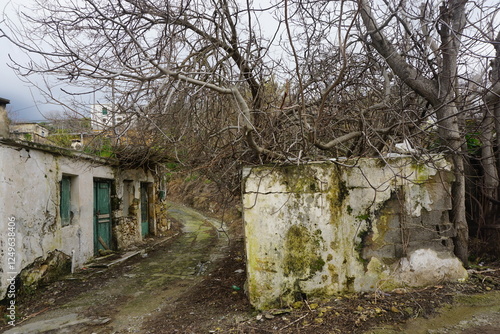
[(322, 229), (302, 256)]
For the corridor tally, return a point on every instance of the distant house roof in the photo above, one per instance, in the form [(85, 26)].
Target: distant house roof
[(3, 102)]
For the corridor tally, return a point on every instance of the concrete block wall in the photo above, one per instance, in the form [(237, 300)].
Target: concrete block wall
[(321, 229)]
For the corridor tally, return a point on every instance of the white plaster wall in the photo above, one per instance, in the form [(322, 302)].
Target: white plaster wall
[(79, 235), (29, 191), (29, 187)]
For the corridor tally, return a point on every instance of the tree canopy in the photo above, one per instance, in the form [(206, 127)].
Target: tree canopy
[(222, 83)]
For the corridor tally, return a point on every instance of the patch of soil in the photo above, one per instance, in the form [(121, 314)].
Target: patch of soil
[(214, 306), (54, 294)]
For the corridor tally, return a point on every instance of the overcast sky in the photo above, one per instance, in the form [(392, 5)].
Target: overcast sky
[(25, 100), (26, 103)]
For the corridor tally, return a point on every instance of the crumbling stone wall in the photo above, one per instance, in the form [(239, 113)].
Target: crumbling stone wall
[(163, 224), (325, 228), (126, 232)]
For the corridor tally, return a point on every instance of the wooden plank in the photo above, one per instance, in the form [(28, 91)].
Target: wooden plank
[(103, 243)]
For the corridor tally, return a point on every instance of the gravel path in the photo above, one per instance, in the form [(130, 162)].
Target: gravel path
[(142, 289)]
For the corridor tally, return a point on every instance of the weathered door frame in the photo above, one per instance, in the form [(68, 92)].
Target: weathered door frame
[(145, 202), (102, 220)]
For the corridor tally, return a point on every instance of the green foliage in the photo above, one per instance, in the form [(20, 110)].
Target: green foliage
[(473, 143), (102, 147), (85, 123), (192, 177), (363, 217), (173, 166), (62, 138)]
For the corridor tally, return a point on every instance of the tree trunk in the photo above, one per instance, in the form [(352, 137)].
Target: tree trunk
[(453, 21), (490, 159), (458, 218), (440, 93)]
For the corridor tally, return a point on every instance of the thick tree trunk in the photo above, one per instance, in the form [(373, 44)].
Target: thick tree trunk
[(461, 240), (489, 158), (440, 93), (449, 131), (453, 18)]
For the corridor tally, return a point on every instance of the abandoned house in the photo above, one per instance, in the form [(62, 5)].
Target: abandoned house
[(79, 204), (29, 132)]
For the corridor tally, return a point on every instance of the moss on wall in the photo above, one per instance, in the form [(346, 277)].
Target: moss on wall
[(302, 255), (323, 228), (299, 179)]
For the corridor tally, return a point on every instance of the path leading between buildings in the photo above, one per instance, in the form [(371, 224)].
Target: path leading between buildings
[(123, 303)]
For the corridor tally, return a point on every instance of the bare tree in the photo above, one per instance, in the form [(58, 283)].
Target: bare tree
[(441, 39), (210, 84), (148, 51)]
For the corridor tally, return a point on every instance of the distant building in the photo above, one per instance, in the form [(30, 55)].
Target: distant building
[(33, 132), (4, 102), (4, 120), (103, 118)]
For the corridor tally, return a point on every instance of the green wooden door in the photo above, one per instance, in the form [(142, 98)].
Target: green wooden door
[(102, 216), (144, 210), (65, 204)]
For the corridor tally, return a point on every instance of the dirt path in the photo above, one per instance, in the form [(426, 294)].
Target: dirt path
[(193, 284), (139, 291)]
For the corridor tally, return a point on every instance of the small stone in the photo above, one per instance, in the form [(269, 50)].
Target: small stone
[(259, 317), (280, 311), (268, 316), (399, 291), (395, 309)]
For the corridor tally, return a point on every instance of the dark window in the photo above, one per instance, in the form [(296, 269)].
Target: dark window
[(65, 205)]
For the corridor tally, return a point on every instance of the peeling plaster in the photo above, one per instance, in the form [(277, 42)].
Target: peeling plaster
[(322, 229)]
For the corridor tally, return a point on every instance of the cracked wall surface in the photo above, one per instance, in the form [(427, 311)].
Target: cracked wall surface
[(320, 229)]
